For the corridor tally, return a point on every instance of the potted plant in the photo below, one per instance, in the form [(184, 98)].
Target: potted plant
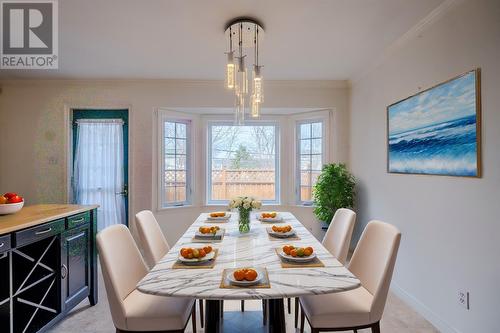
[(333, 190)]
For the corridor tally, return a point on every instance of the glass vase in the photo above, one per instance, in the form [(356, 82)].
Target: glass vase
[(244, 221)]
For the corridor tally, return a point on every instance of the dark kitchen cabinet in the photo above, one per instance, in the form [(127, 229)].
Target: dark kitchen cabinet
[(47, 269)]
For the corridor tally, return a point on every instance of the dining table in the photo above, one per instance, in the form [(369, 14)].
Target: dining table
[(252, 249)]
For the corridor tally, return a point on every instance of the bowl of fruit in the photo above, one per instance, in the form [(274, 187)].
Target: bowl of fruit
[(208, 231), (191, 255), (244, 276), (281, 231), (218, 216), (297, 254), (10, 203), (270, 217)]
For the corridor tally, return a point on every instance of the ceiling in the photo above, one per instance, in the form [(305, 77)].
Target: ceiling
[(184, 39)]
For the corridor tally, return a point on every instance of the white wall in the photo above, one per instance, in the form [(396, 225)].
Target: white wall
[(33, 139), (450, 225)]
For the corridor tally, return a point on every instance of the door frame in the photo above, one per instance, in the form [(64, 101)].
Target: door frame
[(68, 151)]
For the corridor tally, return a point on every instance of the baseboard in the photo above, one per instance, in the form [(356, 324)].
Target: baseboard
[(422, 309)]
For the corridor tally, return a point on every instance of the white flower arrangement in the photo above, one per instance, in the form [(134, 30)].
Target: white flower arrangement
[(245, 203)]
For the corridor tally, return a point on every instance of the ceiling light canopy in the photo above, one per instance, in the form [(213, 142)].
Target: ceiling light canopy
[(243, 35)]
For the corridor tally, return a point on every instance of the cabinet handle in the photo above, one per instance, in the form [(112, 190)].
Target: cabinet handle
[(43, 232), (1, 245), (64, 271), (75, 236), (81, 219)]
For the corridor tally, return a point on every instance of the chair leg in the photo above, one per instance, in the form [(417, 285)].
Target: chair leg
[(202, 315), (296, 312), (289, 300), (264, 312), (193, 318), (355, 331), (242, 306), (302, 319), (222, 308), (376, 327)]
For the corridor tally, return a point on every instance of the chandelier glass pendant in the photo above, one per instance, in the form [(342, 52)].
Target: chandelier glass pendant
[(246, 33)]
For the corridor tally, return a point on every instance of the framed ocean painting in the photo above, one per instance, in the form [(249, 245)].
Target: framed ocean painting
[(438, 130)]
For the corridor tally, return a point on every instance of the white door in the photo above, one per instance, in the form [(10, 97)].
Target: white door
[(98, 172)]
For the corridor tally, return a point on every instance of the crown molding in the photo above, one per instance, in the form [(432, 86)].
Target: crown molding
[(333, 84), (414, 32)]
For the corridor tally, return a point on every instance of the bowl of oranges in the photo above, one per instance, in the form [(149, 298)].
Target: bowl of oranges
[(218, 216), (297, 254), (270, 217), (245, 276), (281, 231), (208, 231), (192, 255), (10, 203)]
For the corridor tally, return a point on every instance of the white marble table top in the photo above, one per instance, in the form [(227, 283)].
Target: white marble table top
[(247, 250)]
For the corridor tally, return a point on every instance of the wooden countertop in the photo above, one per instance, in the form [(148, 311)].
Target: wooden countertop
[(33, 215)]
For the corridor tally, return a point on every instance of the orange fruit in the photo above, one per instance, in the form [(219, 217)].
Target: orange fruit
[(207, 249), (239, 275), (250, 275), (310, 249), (184, 252), (202, 253), (307, 252), (293, 253)]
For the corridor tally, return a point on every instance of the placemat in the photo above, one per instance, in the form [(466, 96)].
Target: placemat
[(208, 264), (316, 262), (294, 237), (225, 284), (217, 239)]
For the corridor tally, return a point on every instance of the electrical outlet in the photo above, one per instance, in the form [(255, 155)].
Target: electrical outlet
[(463, 299)]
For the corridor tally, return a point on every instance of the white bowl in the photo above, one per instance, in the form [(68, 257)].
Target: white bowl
[(11, 208)]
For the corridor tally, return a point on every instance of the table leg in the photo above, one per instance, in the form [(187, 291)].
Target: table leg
[(276, 316), (213, 321)]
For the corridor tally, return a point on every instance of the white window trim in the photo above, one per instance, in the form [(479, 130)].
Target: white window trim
[(174, 116), (211, 121), (323, 116)]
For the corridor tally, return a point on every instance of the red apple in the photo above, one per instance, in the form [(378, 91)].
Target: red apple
[(15, 199), (9, 195)]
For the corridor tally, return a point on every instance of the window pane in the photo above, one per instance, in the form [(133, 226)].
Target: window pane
[(305, 178), (305, 162), (316, 146), (169, 129), (316, 130), (305, 131), (180, 193), (169, 146), (316, 162), (180, 130), (243, 160), (180, 162), (180, 145), (180, 178), (305, 146), (170, 194), (314, 177), (169, 162), (305, 193)]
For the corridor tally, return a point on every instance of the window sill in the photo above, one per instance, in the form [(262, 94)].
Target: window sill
[(173, 207)]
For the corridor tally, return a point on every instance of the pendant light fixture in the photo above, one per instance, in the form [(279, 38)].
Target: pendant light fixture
[(247, 32)]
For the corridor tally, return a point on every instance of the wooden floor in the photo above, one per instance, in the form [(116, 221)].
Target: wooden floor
[(398, 317)]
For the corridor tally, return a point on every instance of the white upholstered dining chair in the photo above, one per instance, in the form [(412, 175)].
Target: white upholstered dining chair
[(133, 311), (338, 236), (373, 264), (154, 244), (337, 240)]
